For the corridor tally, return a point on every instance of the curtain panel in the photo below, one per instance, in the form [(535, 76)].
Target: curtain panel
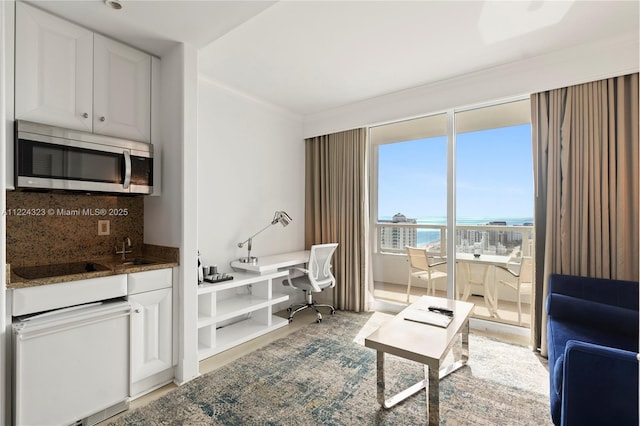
[(336, 210), (585, 143)]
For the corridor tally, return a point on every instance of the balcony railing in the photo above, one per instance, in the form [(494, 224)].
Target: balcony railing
[(390, 267), (483, 239)]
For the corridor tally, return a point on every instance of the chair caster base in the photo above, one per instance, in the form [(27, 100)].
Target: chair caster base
[(294, 309)]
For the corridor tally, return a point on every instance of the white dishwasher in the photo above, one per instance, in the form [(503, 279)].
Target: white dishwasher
[(71, 363)]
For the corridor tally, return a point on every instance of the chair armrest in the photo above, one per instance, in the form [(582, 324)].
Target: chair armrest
[(441, 262), (507, 270), (599, 385)]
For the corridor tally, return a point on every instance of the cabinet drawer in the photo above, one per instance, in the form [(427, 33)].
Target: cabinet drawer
[(141, 282), (56, 296)]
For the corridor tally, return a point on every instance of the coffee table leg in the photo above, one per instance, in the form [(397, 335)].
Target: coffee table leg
[(433, 395), (431, 380), (460, 356), (401, 396)]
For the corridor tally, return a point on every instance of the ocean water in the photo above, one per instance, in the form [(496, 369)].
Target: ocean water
[(430, 235)]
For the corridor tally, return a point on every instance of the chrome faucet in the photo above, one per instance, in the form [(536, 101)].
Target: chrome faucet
[(126, 242)]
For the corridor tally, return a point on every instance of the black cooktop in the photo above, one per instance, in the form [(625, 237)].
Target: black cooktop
[(58, 269)]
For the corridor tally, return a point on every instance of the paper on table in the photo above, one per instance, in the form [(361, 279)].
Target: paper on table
[(428, 317)]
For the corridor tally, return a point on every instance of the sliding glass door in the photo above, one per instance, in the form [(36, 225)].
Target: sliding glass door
[(409, 178), (478, 172), (494, 211)]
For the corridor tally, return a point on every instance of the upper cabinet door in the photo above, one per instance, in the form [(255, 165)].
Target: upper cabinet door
[(122, 90), (54, 70)]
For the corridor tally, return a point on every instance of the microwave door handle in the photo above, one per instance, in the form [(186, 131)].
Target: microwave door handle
[(127, 170)]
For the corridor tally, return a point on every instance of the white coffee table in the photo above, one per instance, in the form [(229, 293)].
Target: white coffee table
[(426, 344)]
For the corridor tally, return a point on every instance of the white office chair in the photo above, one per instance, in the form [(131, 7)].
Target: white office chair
[(316, 277), (423, 267), (518, 275)]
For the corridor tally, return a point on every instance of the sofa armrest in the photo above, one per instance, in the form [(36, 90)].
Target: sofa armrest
[(620, 321), (599, 385), (611, 292)]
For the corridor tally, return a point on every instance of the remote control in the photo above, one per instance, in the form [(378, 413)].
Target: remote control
[(441, 310)]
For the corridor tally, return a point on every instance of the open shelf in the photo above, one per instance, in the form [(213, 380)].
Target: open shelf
[(235, 311)]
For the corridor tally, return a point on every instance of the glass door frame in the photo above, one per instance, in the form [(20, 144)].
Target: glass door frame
[(451, 181)]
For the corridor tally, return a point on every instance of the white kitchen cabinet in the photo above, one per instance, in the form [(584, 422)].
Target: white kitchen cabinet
[(68, 76), (150, 296), (122, 90), (40, 298), (54, 70), (233, 312)]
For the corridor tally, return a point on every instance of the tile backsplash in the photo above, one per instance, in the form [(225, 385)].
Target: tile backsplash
[(44, 228)]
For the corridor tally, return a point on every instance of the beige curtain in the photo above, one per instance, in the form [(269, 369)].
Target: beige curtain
[(336, 210), (587, 185)]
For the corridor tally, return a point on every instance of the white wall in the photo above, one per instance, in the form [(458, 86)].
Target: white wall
[(170, 219), (163, 216), (250, 164), (563, 68)]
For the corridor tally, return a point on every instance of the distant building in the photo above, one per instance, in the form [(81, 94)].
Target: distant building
[(396, 237)]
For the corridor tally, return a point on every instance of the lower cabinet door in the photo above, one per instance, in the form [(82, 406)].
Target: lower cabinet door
[(151, 336)]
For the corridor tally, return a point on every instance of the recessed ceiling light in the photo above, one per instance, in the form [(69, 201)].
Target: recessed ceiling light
[(114, 4)]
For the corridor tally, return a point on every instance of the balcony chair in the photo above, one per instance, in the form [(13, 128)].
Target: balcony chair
[(315, 278), (518, 275), (423, 267)]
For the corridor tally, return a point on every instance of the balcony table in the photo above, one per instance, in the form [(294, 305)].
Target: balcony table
[(490, 287)]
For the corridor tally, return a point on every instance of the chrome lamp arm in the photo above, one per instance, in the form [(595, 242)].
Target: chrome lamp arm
[(280, 217)]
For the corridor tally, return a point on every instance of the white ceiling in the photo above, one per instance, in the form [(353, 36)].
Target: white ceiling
[(312, 56)]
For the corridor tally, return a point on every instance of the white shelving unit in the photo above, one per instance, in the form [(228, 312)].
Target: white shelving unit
[(233, 312)]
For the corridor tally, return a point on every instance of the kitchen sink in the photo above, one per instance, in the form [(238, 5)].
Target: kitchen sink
[(138, 261), (58, 269)]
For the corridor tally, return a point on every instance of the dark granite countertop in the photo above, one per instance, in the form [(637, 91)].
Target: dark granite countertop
[(155, 257)]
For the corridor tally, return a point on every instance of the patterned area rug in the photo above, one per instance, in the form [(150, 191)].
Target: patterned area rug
[(323, 375)]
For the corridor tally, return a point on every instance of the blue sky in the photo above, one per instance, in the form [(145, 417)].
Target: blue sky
[(494, 176)]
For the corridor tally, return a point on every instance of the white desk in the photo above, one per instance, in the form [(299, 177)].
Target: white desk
[(267, 264)]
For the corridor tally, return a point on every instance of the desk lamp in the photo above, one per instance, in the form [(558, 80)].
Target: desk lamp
[(280, 217)]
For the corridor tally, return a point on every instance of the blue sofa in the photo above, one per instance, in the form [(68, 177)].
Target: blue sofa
[(593, 347)]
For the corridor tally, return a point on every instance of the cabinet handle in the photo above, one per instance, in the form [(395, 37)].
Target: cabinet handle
[(137, 311), (85, 115), (102, 118)]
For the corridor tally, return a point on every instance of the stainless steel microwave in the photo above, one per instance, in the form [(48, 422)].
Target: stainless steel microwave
[(48, 157)]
